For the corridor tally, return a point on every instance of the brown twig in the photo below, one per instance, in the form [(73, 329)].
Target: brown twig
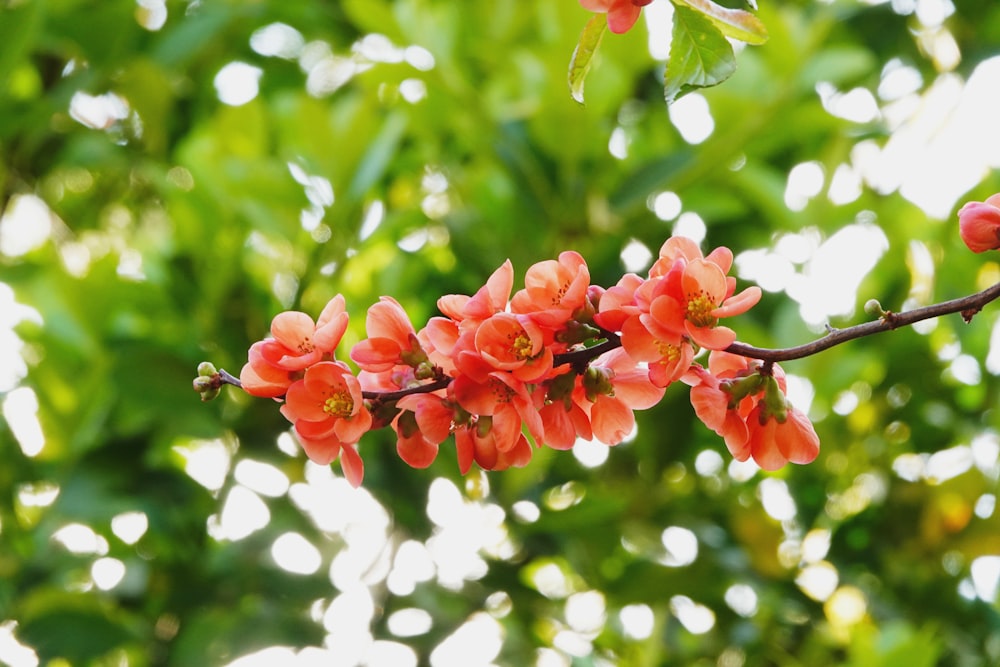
[(968, 306)]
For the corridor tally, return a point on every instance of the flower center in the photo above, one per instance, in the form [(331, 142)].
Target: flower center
[(339, 405), (501, 391), (670, 353), (560, 293), (520, 345), (305, 346), (699, 310)]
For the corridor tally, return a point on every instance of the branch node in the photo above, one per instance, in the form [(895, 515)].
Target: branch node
[(891, 318), (969, 313)]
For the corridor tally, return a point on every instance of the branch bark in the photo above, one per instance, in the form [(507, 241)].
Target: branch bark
[(968, 306)]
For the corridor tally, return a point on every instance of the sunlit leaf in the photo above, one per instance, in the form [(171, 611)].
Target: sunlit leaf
[(735, 23), (700, 55), (583, 54)]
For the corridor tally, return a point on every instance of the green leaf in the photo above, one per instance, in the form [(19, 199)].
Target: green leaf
[(735, 23), (700, 56), (583, 54)]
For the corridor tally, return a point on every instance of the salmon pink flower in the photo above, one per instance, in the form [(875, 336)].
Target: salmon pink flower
[(564, 423), (391, 341), (689, 301), (477, 442), (712, 406), (505, 399), (668, 353), (434, 415), (774, 442), (673, 249), (618, 303), (261, 378), (708, 297), (979, 224), (622, 14), (750, 411), (509, 342), (328, 411), (612, 388), (411, 443), (297, 343), (553, 290), (490, 299)]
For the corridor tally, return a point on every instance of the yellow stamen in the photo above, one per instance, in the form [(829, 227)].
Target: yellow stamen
[(339, 405), (522, 347), (669, 352), (699, 310)]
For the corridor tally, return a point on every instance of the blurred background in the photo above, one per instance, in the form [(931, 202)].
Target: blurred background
[(174, 173)]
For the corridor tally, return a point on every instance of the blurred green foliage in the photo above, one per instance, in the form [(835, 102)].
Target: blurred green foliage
[(407, 147)]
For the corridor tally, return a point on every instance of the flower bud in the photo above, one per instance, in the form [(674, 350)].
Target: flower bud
[(979, 224), (873, 307), (207, 368), (210, 394), (774, 404), (577, 332), (740, 388), (597, 382)]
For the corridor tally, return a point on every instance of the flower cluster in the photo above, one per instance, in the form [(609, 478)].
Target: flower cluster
[(745, 403), (557, 361)]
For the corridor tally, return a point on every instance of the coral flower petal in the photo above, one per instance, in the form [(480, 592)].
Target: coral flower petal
[(416, 451), (352, 465), (302, 403), (376, 355), (387, 319), (800, 443), (294, 330), (706, 278), (740, 303), (611, 419), (323, 452), (351, 429), (328, 335), (716, 338)]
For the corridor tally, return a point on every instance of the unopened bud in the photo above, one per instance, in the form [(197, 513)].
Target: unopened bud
[(774, 401), (207, 368), (483, 426), (407, 424), (740, 388), (597, 382), (874, 308), (425, 370), (561, 388), (210, 394), (577, 332), (415, 355)]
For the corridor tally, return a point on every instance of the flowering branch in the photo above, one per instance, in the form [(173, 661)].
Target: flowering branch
[(968, 306), (558, 361)]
